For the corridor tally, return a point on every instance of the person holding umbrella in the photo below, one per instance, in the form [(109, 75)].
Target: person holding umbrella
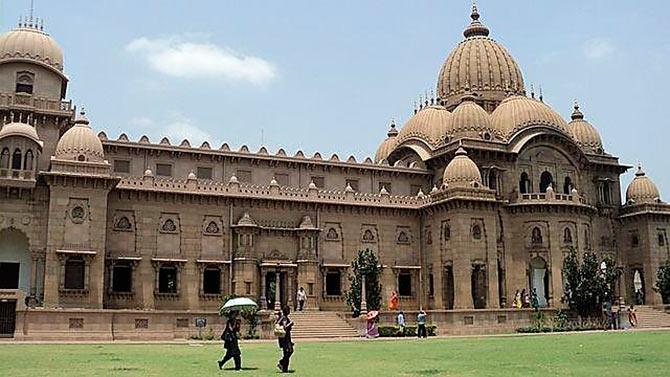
[(371, 330), (230, 338), (231, 333)]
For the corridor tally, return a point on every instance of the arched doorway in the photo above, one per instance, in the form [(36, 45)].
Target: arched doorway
[(638, 286), (448, 287), (479, 286), (539, 279), (546, 179), (15, 261)]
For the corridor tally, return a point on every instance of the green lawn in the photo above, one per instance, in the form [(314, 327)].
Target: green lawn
[(616, 354)]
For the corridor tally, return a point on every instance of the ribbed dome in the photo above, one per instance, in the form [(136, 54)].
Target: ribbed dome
[(80, 143), (470, 120), (642, 189), (586, 136), (479, 64), (518, 112), (386, 147), (461, 171), (27, 42), (429, 124), (20, 129)]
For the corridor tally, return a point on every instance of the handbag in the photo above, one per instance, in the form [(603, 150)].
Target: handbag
[(279, 331)]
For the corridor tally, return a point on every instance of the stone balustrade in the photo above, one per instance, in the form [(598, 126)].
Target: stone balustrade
[(38, 103), (234, 189)]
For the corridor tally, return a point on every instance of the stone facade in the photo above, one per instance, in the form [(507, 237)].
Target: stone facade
[(481, 194)]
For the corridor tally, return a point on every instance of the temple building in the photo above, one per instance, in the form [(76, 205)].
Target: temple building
[(482, 192)]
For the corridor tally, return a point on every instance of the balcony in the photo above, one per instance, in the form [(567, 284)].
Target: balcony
[(31, 102), (17, 178), (549, 198)]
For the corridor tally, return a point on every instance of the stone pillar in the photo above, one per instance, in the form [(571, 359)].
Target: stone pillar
[(438, 287), (263, 300), (277, 288), (364, 303)]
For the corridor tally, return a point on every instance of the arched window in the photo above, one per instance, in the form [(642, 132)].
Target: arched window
[(567, 186), (4, 159), (567, 236), (477, 232), (524, 183), (536, 236), (545, 180), (28, 162), (24, 82), (16, 159)]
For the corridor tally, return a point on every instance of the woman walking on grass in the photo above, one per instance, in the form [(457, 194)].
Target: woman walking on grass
[(285, 342)]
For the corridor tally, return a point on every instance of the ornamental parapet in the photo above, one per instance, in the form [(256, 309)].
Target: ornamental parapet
[(632, 210), (241, 190), (549, 197)]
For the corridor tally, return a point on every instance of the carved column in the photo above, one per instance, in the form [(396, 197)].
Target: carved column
[(277, 288)]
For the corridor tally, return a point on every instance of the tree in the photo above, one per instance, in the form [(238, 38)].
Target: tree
[(365, 264), (663, 282), (587, 284)]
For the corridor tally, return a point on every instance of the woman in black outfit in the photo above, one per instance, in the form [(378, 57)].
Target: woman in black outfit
[(230, 338), (285, 342)]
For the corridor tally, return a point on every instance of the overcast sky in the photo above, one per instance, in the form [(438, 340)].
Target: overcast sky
[(329, 75)]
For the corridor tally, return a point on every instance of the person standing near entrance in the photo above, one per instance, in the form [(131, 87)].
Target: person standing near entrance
[(230, 338), (421, 325), (301, 298), (285, 342)]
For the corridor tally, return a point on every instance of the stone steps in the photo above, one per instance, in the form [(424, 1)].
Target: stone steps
[(649, 317), (312, 324)]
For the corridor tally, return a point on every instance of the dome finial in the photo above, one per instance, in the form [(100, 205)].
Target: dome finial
[(393, 132), (476, 28), (576, 113), (639, 172)]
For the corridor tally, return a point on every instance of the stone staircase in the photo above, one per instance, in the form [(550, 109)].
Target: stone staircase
[(317, 324), (649, 317)]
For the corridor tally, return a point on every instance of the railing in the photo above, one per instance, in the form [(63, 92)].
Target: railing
[(545, 197), (17, 174), (39, 103)]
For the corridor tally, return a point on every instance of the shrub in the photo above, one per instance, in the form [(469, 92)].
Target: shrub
[(663, 282), (394, 331)]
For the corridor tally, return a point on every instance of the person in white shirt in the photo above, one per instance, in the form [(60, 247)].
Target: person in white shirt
[(302, 297), (401, 323)]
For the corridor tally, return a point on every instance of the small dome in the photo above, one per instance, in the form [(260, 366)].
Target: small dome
[(387, 146), (28, 42), (586, 136), (429, 124), (20, 129), (462, 171), (518, 112), (642, 189), (80, 143), (246, 220), (479, 64), (470, 120)]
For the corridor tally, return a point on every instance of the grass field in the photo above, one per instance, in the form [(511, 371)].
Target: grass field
[(616, 354)]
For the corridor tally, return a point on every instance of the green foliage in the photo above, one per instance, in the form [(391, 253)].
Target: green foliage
[(587, 287), (366, 264), (663, 282), (394, 331), (249, 314)]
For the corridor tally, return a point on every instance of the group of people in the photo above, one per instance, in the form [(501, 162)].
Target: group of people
[(524, 299), (421, 331), (231, 336), (619, 316)]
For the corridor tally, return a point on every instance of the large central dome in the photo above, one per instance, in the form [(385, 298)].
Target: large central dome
[(480, 65)]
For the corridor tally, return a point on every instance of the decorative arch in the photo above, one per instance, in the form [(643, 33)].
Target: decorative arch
[(17, 159), (15, 260), (536, 236), (524, 183), (546, 180)]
